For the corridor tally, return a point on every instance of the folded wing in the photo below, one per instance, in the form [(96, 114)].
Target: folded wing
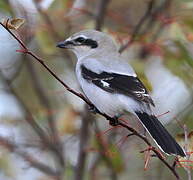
[(118, 83)]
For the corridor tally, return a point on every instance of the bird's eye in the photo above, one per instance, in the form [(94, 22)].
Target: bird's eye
[(80, 39)]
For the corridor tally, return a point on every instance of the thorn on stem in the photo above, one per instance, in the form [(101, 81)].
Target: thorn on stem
[(162, 114), (147, 159), (22, 50), (106, 131)]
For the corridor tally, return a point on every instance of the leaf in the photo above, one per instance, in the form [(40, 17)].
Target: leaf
[(14, 23)]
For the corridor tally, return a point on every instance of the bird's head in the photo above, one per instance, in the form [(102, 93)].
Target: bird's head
[(87, 42)]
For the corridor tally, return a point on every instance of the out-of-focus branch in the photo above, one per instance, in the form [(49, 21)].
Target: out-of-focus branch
[(47, 20), (84, 130), (138, 26), (52, 29), (96, 162), (100, 16), (28, 116), (45, 139), (151, 16), (46, 104), (111, 119), (12, 147), (84, 137), (105, 157), (162, 16)]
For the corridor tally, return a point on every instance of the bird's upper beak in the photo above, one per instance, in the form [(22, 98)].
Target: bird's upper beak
[(64, 44)]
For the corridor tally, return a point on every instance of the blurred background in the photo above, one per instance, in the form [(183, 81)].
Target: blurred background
[(46, 133)]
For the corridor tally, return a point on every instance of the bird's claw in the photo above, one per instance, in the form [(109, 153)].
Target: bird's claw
[(93, 109), (114, 121)]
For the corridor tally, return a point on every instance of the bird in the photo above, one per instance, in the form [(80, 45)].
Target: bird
[(112, 85)]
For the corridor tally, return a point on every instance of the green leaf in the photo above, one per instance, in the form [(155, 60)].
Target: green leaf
[(4, 6)]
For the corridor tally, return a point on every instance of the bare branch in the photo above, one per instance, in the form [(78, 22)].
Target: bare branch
[(111, 119)]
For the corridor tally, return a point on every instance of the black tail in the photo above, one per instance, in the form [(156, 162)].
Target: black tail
[(161, 136)]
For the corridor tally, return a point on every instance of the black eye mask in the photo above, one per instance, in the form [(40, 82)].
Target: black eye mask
[(80, 40), (86, 42)]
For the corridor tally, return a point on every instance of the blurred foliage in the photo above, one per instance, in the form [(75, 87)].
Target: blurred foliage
[(5, 6), (167, 35)]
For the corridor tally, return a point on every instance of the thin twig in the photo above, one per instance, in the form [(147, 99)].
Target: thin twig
[(158, 154)]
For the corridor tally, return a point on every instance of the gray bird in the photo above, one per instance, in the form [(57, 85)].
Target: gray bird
[(112, 85)]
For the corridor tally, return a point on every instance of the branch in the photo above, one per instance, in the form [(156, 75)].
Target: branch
[(46, 104), (152, 148), (150, 17), (106, 158), (138, 26), (84, 137), (12, 147), (100, 16), (28, 117)]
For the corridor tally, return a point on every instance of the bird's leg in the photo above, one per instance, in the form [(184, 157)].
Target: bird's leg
[(113, 121)]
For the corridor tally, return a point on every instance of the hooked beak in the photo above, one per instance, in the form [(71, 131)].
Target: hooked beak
[(64, 44)]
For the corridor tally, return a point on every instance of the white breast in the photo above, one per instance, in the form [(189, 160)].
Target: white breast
[(103, 100), (111, 104)]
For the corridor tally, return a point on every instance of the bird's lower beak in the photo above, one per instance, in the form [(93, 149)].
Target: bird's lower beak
[(64, 44)]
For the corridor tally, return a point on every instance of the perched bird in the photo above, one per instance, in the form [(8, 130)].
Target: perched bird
[(112, 85)]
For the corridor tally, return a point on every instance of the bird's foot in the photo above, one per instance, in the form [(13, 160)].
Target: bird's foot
[(114, 121), (93, 109)]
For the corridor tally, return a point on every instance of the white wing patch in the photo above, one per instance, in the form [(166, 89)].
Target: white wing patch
[(105, 84), (140, 92)]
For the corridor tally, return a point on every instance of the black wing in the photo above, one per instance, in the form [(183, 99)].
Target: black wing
[(118, 83)]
